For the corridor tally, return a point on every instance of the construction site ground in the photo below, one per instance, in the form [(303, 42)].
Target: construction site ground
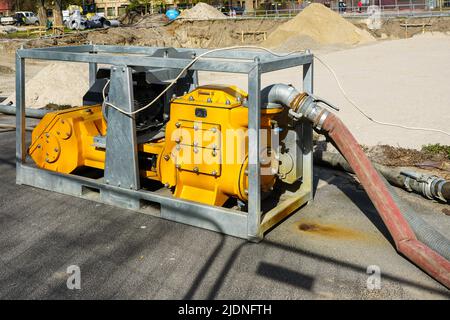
[(401, 81), (320, 252)]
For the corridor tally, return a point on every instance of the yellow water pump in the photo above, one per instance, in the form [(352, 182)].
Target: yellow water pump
[(202, 154)]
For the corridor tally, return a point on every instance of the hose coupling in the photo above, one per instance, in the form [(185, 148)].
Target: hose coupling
[(429, 185), (300, 104), (305, 105)]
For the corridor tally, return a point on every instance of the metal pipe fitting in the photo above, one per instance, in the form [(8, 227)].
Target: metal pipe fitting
[(279, 94), (300, 104), (30, 113), (431, 186)]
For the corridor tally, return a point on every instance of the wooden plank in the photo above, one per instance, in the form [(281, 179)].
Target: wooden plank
[(254, 33)]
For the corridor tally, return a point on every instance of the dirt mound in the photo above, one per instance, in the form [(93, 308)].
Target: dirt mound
[(148, 21), (152, 20), (129, 18), (58, 83), (202, 11), (187, 33), (396, 156), (6, 70), (316, 25), (394, 28), (160, 37)]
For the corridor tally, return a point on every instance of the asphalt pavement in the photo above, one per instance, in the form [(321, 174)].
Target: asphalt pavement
[(326, 250)]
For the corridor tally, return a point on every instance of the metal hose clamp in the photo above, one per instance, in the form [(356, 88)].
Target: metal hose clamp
[(323, 115), (436, 188)]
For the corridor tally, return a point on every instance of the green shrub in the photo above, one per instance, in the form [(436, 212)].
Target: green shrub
[(437, 148)]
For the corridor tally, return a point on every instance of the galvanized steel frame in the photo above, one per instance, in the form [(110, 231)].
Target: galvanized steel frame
[(249, 225)]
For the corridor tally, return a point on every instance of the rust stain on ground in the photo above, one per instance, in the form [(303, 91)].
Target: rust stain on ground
[(329, 230)]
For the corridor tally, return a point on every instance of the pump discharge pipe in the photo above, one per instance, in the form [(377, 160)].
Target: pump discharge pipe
[(426, 256)]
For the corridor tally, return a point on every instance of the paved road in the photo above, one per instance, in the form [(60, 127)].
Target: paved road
[(320, 252)]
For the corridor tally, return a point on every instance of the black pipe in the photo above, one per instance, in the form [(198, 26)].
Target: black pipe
[(395, 176), (446, 190)]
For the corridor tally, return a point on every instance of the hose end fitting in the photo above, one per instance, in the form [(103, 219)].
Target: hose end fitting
[(431, 186), (305, 105)]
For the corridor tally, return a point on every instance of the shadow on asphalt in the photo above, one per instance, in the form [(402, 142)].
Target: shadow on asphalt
[(293, 277)]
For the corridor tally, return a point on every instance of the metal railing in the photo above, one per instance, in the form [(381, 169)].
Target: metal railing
[(412, 9), (353, 11)]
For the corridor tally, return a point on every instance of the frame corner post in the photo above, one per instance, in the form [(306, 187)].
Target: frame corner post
[(254, 124), (121, 164), (307, 132), (20, 116)]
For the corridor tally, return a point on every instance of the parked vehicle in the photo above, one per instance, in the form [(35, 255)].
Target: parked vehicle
[(26, 18), (66, 16), (7, 20)]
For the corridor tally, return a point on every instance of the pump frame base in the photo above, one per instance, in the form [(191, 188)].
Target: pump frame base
[(249, 225)]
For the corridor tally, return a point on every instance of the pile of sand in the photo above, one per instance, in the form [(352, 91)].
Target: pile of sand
[(316, 26), (58, 83), (202, 11)]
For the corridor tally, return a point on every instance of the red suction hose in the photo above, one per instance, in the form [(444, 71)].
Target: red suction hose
[(304, 105), (405, 240)]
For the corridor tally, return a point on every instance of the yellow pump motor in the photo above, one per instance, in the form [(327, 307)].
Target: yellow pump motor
[(203, 155)]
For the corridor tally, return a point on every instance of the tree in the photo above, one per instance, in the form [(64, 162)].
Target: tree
[(58, 6), (146, 4), (134, 5), (249, 6), (142, 6), (57, 12), (24, 5), (42, 12)]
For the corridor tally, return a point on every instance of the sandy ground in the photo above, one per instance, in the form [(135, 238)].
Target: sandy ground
[(69, 82), (7, 80), (401, 81)]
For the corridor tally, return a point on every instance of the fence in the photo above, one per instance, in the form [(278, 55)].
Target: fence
[(352, 11)]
